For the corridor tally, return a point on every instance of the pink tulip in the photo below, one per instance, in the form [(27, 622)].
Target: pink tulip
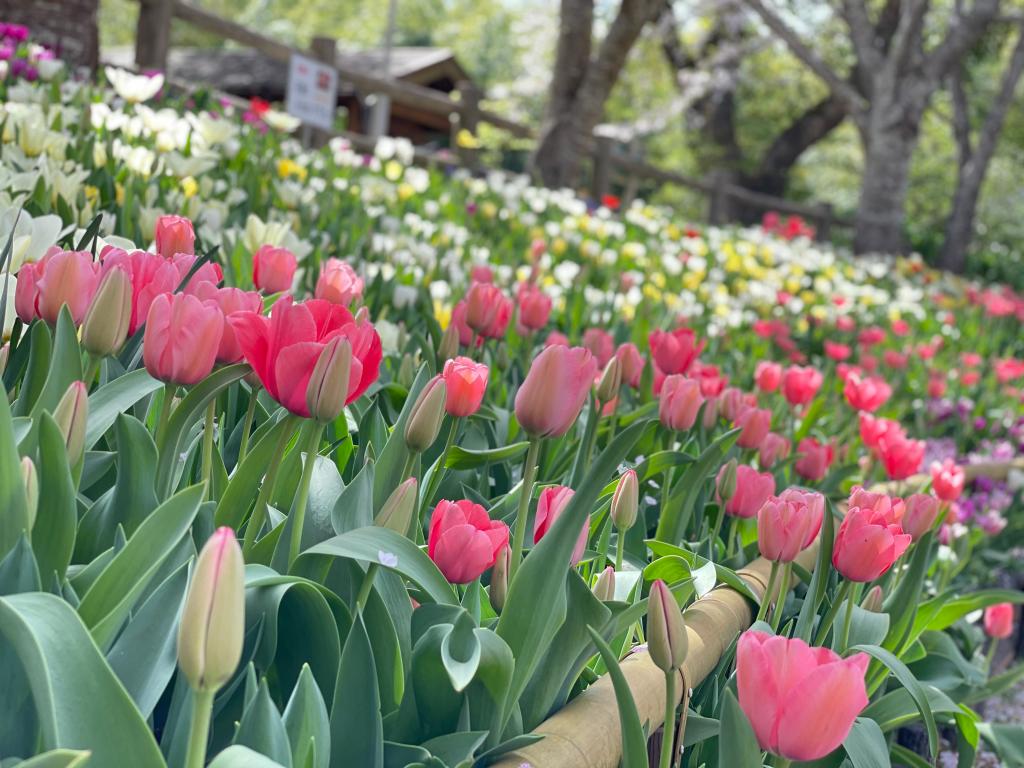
[(754, 423), (998, 620), (151, 275), (675, 351), (947, 479), (815, 459), (800, 384), (174, 234), (551, 396), (499, 322), (481, 273), (273, 269), (59, 278), (556, 339), (921, 512), (873, 429), (867, 394), (773, 448), (892, 507), (800, 700), (838, 352), (768, 376), (783, 528), (752, 490), (463, 541), (550, 506), (867, 545), (483, 303), (631, 363), (710, 417), (600, 344), (900, 455), (465, 382), (338, 283), (283, 349), (229, 301), (534, 307), (181, 340), (208, 272), (679, 402), (814, 502)]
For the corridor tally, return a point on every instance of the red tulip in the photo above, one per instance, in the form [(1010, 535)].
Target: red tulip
[(181, 340), (900, 455), (867, 545), (768, 376), (338, 283), (534, 307), (600, 344), (752, 490), (920, 515), (800, 384), (838, 352), (151, 275), (463, 541), (998, 620), (283, 349), (59, 278), (773, 448), (632, 363), (680, 400), (867, 394), (273, 269), (465, 382), (873, 429), (550, 506), (551, 396), (499, 323), (800, 700), (815, 458), (483, 303), (229, 301), (754, 424), (947, 479), (174, 234), (481, 273), (675, 351)]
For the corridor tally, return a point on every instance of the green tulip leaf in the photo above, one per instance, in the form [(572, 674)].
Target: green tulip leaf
[(634, 740), (14, 519), (114, 398), (737, 744), (865, 745), (262, 729), (238, 756), (308, 724), (464, 458), (357, 732), (57, 758), (53, 533)]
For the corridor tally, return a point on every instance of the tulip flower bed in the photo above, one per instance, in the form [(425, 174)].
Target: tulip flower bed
[(313, 459)]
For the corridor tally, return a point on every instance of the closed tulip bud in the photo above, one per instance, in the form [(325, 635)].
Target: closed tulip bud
[(5, 355), (30, 480), (426, 416), (873, 600), (499, 580), (626, 500), (604, 588), (502, 359), (105, 327), (449, 346), (328, 386), (725, 484), (406, 371), (920, 514), (399, 509), (610, 381), (212, 623), (71, 414), (666, 632)]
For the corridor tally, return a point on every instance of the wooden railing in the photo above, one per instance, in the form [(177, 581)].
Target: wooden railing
[(153, 42)]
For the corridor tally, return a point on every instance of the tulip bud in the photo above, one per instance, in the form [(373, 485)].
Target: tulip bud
[(5, 354), (399, 509), (499, 580), (604, 588), (329, 384), (71, 414), (873, 600), (31, 482), (726, 483), (449, 346), (426, 416), (666, 632), (611, 380), (106, 322), (502, 359), (212, 623), (626, 500), (406, 372), (362, 315)]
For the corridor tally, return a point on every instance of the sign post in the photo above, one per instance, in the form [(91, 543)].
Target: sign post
[(312, 91)]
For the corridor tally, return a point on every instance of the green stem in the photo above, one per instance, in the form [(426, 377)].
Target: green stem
[(782, 762), (519, 534), (620, 545), (715, 531), (833, 611), (211, 413), (366, 586), (299, 516), (259, 512), (439, 470), (730, 536), (410, 462), (780, 604), (250, 414), (766, 600), (990, 655), (165, 411), (91, 370), (844, 639), (668, 733), (199, 731)]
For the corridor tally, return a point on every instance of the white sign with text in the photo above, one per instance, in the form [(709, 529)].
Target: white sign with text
[(312, 91)]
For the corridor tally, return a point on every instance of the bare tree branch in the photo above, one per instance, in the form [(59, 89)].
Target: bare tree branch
[(963, 32), (961, 115), (862, 32)]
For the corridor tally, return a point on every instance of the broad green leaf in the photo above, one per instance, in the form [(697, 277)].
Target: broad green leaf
[(897, 708), (463, 458), (77, 696), (112, 595), (114, 398), (737, 745), (392, 457), (262, 729), (460, 652), (455, 748), (354, 506), (908, 757), (237, 498), (238, 756), (19, 571), (65, 364), (866, 746), (941, 612), (1006, 740), (57, 758), (40, 345), (634, 740), (13, 504), (357, 732), (308, 724), (725, 575), (53, 533), (819, 579)]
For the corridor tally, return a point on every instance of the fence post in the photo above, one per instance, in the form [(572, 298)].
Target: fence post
[(825, 219), (718, 202), (601, 182), (324, 49), (153, 34), (467, 119)]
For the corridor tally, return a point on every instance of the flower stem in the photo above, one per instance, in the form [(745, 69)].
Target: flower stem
[(208, 428), (438, 473), (299, 515), (165, 411), (762, 611), (620, 545), (250, 414), (844, 640), (91, 370), (259, 512), (366, 586), (525, 494), (199, 731), (715, 531), (780, 604), (833, 611), (990, 655), (668, 731)]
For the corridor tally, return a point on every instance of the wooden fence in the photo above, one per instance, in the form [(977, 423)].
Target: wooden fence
[(153, 42)]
